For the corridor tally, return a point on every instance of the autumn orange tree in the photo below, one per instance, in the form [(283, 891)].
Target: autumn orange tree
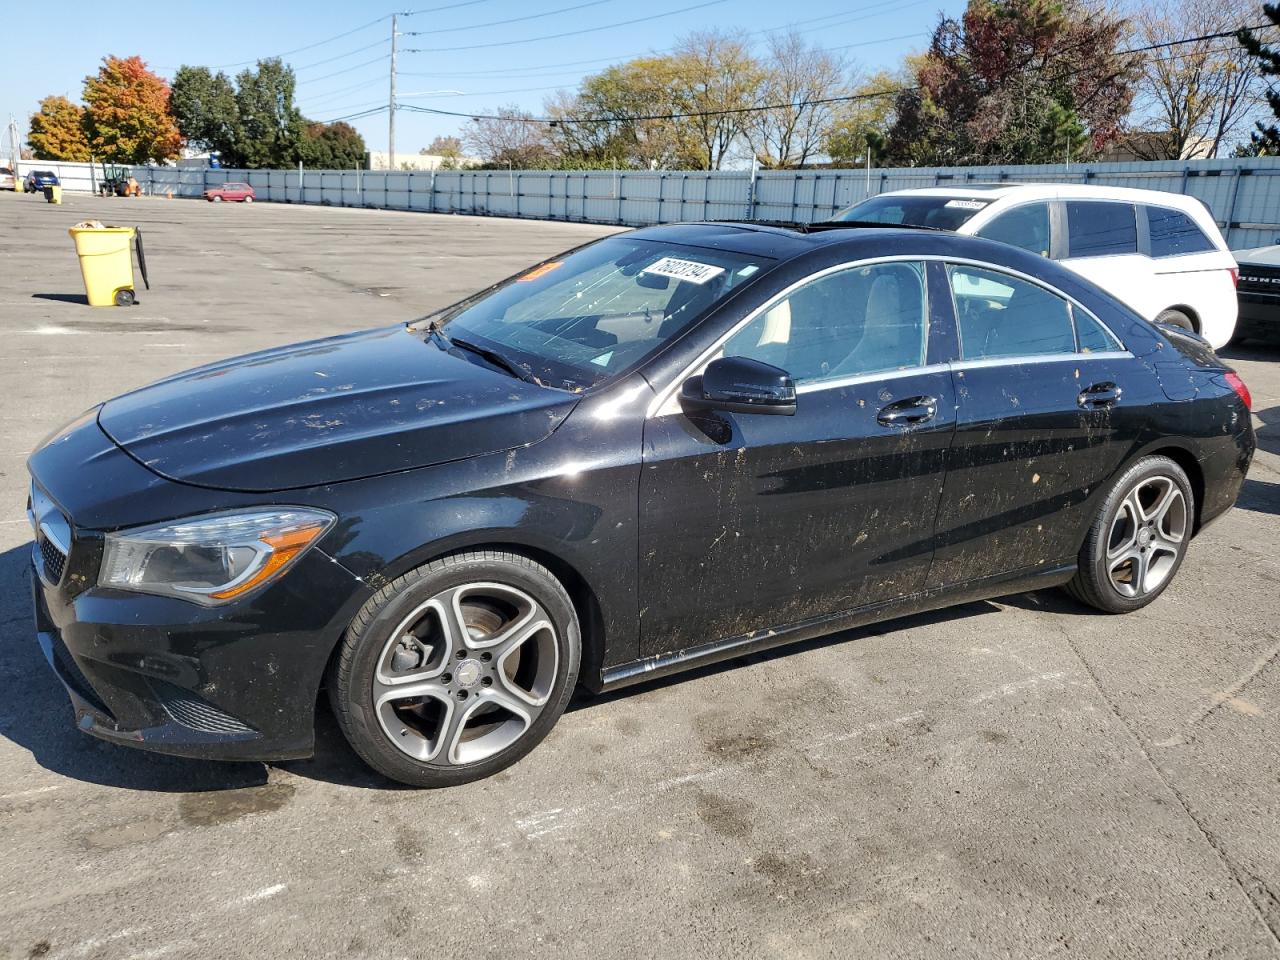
[(57, 130), (126, 117)]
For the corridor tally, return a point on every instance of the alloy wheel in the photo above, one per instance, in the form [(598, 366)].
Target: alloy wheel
[(1147, 536), (466, 673)]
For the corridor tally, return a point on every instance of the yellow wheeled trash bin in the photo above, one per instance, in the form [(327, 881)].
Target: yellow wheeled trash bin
[(106, 263)]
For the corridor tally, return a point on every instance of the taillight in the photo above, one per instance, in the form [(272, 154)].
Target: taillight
[(1236, 384), (1235, 276)]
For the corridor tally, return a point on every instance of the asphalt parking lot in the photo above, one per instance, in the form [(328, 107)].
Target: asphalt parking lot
[(1022, 778)]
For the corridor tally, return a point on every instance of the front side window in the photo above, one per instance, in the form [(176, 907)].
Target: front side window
[(1174, 233), (1002, 316), (1099, 228), (861, 320), (579, 320), (1025, 227)]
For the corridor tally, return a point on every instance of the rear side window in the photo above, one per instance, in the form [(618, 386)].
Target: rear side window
[(1100, 229), (1002, 316), (1093, 337), (1174, 233), (1025, 227)]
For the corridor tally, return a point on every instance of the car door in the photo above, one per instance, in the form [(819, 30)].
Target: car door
[(1040, 409), (1102, 245), (749, 522)]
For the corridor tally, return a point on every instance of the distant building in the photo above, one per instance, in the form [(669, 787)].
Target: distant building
[(1150, 144), (380, 160)]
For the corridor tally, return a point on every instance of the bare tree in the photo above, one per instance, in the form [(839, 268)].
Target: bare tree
[(508, 136), (1193, 99), (796, 76), (716, 77)]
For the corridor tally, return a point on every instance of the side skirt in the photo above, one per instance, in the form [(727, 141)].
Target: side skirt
[(665, 664)]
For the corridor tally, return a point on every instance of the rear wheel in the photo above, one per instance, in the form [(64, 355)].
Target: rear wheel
[(248, 199), (1176, 318), (1138, 540), (457, 669)]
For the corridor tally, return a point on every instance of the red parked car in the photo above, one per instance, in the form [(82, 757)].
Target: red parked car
[(229, 191)]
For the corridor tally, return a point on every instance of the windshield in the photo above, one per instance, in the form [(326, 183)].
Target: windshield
[(584, 318), (913, 210)]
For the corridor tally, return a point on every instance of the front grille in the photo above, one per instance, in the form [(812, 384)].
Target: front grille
[(1257, 278), (53, 559), (196, 714)]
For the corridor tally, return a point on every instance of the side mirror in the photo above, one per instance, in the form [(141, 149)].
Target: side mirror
[(740, 385)]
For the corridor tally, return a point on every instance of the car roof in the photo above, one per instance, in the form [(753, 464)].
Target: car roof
[(1028, 191), (784, 240)]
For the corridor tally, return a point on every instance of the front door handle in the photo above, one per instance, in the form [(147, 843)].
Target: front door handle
[(1099, 395), (909, 411)]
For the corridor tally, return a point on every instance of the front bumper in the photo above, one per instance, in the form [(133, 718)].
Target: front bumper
[(231, 683)]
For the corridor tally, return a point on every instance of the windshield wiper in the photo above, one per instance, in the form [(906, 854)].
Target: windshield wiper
[(497, 359)]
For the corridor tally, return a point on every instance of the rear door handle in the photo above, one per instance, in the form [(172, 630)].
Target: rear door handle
[(1099, 395), (908, 411)]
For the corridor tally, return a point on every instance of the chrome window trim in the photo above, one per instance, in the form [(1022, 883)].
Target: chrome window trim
[(664, 401), (855, 379), (1039, 358)]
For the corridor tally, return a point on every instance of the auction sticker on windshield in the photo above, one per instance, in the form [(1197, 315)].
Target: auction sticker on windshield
[(689, 270), (966, 204)]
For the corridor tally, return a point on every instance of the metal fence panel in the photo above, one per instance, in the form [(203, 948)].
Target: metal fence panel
[(1244, 194)]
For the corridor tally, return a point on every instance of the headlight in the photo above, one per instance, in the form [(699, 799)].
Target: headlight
[(211, 560)]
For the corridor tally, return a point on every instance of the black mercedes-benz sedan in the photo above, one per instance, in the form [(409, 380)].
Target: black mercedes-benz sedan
[(666, 448)]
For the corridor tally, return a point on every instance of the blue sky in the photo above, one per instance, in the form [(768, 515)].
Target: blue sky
[(490, 65)]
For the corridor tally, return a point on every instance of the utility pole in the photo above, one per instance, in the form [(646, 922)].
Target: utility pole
[(14, 151), (391, 112)]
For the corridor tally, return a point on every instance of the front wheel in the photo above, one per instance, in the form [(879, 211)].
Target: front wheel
[(217, 199), (457, 669), (1138, 540), (248, 199)]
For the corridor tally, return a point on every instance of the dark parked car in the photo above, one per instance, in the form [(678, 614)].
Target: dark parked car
[(663, 449), (37, 180), (1258, 290)]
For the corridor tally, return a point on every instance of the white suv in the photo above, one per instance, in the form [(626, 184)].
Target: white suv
[(1161, 253)]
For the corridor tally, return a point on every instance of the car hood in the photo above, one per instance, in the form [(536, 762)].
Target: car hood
[(1260, 256), (326, 411)]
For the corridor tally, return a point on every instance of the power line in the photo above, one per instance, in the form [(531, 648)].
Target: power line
[(341, 56), (338, 73), (794, 105), (569, 33), (843, 18), (310, 46), (501, 23)]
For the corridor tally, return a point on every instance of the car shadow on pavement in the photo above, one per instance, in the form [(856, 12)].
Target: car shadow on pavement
[(79, 298), (36, 715), (1260, 496)]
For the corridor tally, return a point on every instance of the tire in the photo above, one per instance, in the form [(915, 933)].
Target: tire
[(248, 199), (217, 199), (125, 298), (478, 706), (1139, 539), (1176, 318)]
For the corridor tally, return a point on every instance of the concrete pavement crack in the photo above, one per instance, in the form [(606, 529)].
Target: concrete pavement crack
[(1236, 688), (1215, 843)]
